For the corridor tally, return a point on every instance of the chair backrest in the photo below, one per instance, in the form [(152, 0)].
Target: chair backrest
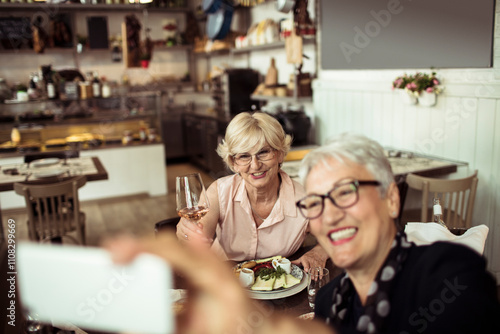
[(53, 208), (167, 225), (456, 195)]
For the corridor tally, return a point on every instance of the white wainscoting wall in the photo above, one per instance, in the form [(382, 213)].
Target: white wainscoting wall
[(463, 126)]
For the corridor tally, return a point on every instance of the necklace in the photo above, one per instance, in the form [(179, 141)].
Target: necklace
[(277, 196), (255, 212)]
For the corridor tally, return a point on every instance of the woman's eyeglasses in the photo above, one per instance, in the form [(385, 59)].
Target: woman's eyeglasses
[(343, 195), (244, 159)]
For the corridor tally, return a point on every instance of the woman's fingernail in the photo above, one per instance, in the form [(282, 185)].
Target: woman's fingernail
[(199, 232)]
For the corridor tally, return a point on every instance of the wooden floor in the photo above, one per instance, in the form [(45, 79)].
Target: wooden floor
[(134, 214)]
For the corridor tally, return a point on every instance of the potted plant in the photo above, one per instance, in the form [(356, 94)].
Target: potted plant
[(81, 43), (428, 87), (404, 85), (145, 58), (421, 87), (401, 82), (22, 92), (146, 50)]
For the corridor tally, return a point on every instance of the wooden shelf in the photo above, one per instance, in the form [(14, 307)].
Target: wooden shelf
[(268, 46), (221, 52), (172, 48), (97, 7), (281, 98), (248, 49), (46, 51)]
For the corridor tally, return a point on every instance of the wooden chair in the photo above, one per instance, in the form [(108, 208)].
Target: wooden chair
[(167, 225), (457, 198), (54, 209)]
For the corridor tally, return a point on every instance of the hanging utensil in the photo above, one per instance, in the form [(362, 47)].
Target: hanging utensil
[(219, 23), (285, 6), (211, 6)]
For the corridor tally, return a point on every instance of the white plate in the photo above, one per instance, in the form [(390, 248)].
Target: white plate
[(45, 162), (49, 173), (282, 293)]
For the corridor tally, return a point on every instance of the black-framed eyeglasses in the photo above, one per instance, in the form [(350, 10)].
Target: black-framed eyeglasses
[(244, 159), (343, 195)]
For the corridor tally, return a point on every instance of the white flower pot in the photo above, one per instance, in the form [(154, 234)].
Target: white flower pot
[(427, 99), (406, 97)]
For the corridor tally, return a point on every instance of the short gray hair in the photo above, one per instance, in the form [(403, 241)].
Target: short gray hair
[(356, 148)]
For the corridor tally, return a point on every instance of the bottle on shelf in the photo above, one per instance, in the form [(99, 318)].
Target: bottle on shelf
[(106, 88), (127, 137), (116, 52), (51, 88), (85, 90), (32, 87), (438, 212), (143, 135), (96, 86), (15, 136), (152, 135), (272, 74)]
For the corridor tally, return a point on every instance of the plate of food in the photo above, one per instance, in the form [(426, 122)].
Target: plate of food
[(45, 162), (51, 172), (270, 282)]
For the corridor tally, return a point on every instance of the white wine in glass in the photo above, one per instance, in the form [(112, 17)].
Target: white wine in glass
[(191, 197)]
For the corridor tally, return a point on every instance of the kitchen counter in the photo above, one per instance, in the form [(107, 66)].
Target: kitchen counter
[(82, 148), (132, 170)]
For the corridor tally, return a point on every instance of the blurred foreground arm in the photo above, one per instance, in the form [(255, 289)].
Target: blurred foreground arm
[(217, 304)]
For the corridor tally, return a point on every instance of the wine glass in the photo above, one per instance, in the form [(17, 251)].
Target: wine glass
[(191, 197), (317, 278)]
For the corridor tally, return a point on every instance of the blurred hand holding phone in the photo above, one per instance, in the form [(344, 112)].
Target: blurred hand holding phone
[(82, 286)]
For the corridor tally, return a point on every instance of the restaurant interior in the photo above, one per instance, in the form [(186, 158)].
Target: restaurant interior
[(134, 94)]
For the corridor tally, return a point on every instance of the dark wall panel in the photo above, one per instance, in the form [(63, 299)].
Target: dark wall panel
[(383, 34)]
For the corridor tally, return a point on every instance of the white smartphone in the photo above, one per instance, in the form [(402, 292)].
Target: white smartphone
[(83, 287)]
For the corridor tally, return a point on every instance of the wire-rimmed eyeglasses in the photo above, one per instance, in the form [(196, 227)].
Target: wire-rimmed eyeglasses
[(244, 159), (343, 195)]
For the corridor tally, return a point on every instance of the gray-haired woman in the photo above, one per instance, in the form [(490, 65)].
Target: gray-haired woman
[(390, 285)]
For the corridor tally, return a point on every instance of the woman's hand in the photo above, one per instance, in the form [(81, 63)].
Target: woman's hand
[(204, 229), (189, 230), (316, 257)]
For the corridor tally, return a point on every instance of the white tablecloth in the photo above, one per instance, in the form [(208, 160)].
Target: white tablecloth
[(74, 166)]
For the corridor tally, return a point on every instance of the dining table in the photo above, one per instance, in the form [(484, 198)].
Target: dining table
[(49, 170), (403, 162), (295, 305)]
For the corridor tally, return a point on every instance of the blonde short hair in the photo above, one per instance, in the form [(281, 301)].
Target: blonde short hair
[(247, 130)]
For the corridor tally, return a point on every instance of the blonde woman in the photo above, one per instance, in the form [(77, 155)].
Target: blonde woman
[(252, 213)]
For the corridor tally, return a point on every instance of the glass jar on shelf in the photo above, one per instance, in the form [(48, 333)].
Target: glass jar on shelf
[(152, 136), (127, 137)]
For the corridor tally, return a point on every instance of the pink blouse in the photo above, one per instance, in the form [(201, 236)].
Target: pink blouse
[(239, 238)]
